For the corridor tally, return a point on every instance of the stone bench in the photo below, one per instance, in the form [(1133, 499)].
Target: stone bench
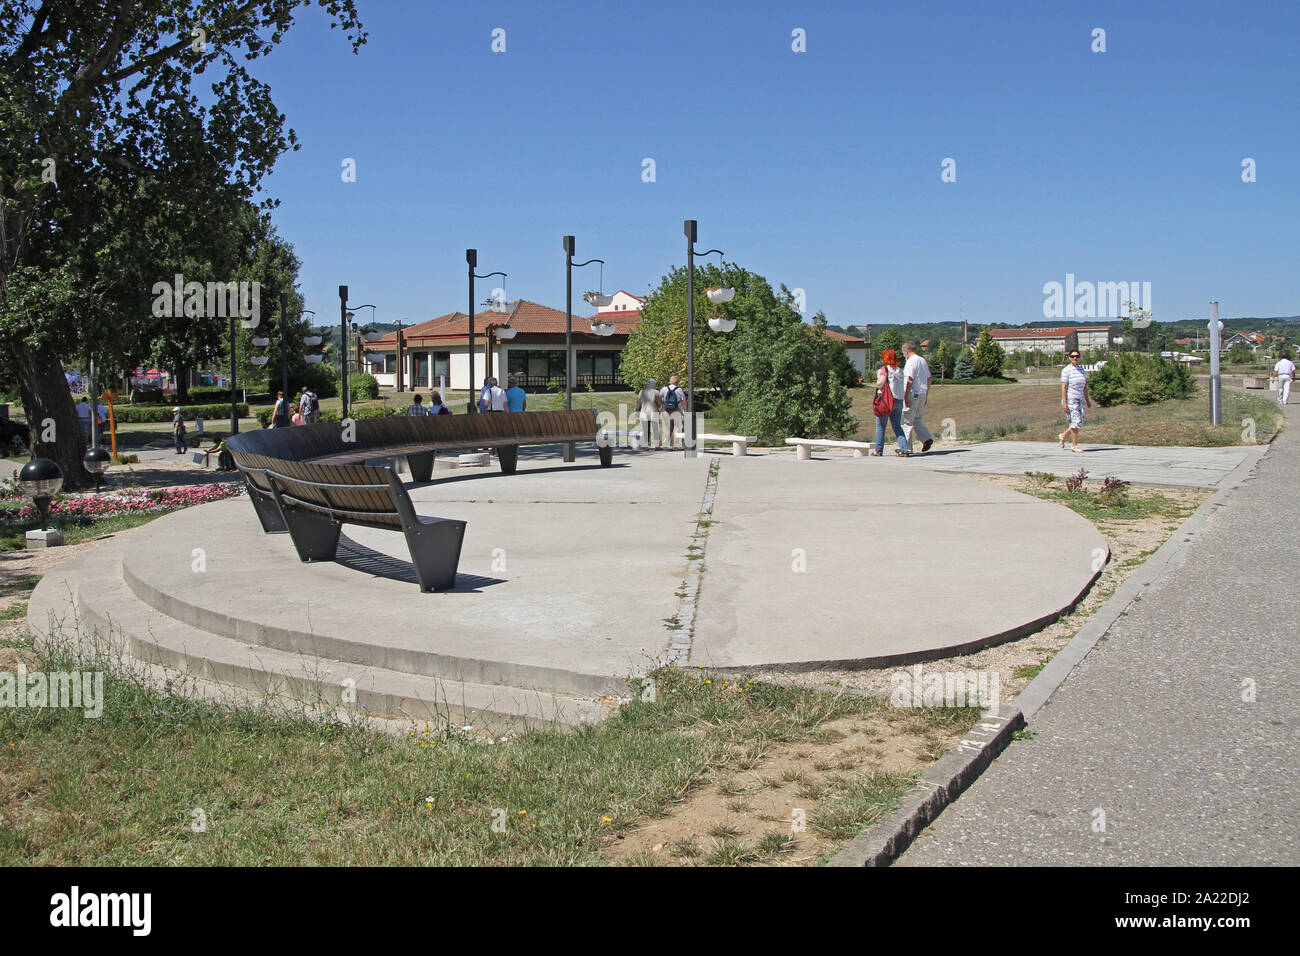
[(739, 443), (804, 446)]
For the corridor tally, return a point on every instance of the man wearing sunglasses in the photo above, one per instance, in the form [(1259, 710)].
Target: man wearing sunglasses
[(1074, 398)]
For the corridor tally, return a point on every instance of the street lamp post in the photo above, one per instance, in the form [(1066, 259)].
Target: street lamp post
[(471, 259), (690, 228), (234, 406), (345, 316), (570, 246)]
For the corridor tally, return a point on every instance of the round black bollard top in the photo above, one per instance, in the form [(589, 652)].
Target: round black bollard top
[(40, 476), (96, 459)]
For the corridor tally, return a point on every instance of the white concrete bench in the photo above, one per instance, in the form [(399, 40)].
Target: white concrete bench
[(804, 446), (739, 443)]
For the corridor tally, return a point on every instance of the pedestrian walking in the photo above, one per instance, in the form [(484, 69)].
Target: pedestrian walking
[(417, 406), (496, 397), (916, 388), (280, 416), (1074, 399), (1284, 372), (516, 397), (178, 430), (889, 399), (83, 418), (483, 394), (648, 401), (672, 410), (309, 405), (297, 418)]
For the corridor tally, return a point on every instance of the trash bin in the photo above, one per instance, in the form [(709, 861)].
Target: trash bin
[(198, 426)]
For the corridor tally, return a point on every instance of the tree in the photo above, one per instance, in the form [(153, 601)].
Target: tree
[(790, 379), (104, 142), (943, 360), (989, 357), (964, 368), (891, 338)]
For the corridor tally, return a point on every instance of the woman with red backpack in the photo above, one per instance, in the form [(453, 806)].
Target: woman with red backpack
[(888, 404)]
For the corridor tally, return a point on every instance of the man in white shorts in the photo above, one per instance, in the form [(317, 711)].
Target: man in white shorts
[(1074, 398), (1284, 372), (916, 378)]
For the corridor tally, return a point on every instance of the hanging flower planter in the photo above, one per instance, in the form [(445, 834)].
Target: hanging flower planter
[(499, 306), (261, 343), (599, 299), (313, 340), (720, 323), (314, 359), (258, 359), (602, 328), (372, 336), (505, 332), (718, 294)]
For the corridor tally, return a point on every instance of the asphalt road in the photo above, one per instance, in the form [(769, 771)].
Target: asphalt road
[(1150, 754)]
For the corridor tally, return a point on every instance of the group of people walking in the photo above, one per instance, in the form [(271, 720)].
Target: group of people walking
[(305, 411), (901, 392), (662, 411)]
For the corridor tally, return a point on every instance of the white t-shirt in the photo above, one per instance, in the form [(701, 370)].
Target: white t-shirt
[(681, 398), (1075, 378), (896, 380), (918, 370), (497, 399), (1285, 367)]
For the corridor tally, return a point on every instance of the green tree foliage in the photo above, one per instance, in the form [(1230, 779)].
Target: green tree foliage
[(964, 367), (116, 173), (1139, 379), (989, 357), (790, 378), (889, 339), (943, 361), (1239, 354)]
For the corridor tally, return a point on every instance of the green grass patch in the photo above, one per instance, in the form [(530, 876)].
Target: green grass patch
[(281, 786)]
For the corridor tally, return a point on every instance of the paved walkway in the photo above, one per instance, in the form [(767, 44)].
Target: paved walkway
[(1151, 728)]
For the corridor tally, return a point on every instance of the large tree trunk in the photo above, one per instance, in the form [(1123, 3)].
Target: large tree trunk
[(46, 399), (182, 385)]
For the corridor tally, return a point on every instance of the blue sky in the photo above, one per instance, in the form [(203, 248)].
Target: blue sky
[(818, 169)]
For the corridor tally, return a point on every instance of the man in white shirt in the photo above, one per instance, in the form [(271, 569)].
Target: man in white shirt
[(916, 376), (672, 404), (1284, 372), (83, 418), (1074, 397), (496, 397)]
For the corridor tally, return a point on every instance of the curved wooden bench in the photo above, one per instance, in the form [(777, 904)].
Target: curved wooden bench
[(309, 480)]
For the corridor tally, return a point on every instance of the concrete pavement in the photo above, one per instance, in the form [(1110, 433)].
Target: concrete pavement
[(1174, 742)]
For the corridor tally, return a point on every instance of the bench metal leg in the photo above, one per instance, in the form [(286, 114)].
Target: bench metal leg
[(606, 455), (508, 455), (315, 536), (738, 448), (421, 466), (435, 551), (268, 513)]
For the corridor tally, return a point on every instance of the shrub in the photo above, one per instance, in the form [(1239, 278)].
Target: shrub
[(334, 415), (989, 357), (363, 386), (1041, 479), (963, 369), (1139, 379), (1113, 493), (1075, 482), (163, 413)]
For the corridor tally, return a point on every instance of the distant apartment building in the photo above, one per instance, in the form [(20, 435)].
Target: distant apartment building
[(1085, 338)]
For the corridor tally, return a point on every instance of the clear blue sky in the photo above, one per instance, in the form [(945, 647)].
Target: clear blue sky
[(818, 169)]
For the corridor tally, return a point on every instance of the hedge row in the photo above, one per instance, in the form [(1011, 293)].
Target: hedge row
[(332, 415), (163, 413)]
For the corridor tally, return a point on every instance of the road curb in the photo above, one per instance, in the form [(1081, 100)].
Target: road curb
[(885, 841)]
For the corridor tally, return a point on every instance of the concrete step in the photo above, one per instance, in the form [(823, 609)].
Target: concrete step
[(89, 600), (271, 621)]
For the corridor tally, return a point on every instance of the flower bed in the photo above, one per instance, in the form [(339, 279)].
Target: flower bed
[(95, 507)]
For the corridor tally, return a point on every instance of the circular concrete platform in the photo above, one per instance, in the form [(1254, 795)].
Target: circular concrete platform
[(574, 578)]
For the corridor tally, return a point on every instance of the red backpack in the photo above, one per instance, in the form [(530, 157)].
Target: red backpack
[(883, 403)]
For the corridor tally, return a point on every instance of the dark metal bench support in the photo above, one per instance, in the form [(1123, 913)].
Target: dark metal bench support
[(434, 543), (315, 536), (508, 455), (421, 466), (267, 511)]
